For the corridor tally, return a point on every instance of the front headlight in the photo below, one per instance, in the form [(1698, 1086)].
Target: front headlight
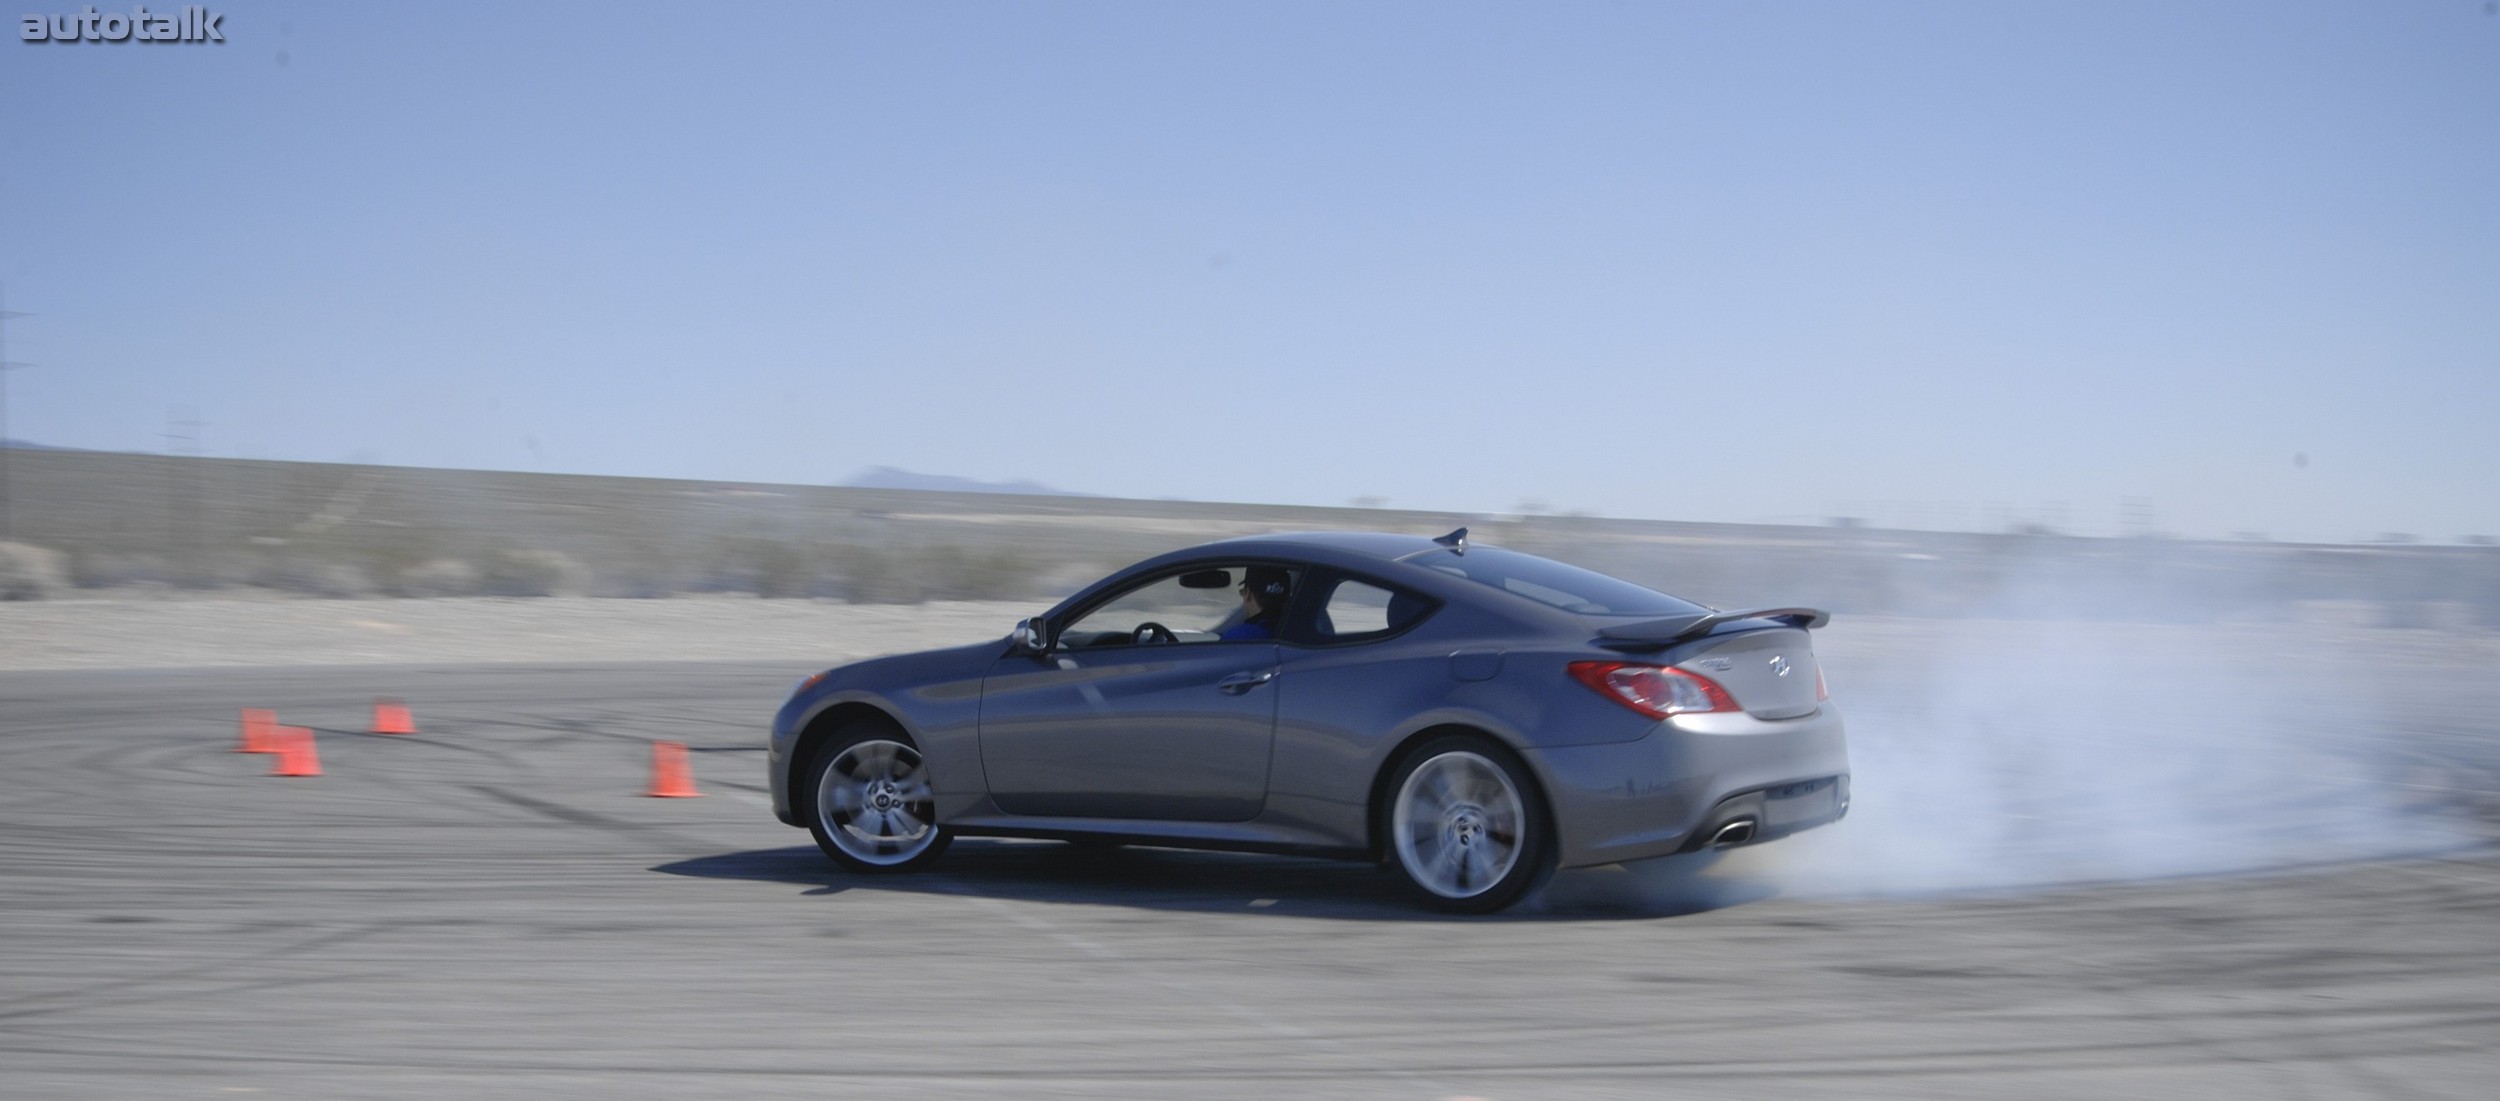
[(809, 681)]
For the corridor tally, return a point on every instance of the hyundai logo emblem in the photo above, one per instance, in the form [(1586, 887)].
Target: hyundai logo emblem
[(1779, 665)]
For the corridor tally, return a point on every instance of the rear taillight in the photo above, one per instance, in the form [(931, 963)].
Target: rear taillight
[(1653, 690), (1820, 693)]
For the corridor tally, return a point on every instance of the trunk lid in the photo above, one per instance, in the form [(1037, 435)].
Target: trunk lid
[(1771, 672)]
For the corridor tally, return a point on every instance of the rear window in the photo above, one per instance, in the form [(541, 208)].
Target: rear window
[(1355, 610), (1552, 583)]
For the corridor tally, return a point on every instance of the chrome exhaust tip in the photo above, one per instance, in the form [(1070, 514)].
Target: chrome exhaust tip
[(1734, 833)]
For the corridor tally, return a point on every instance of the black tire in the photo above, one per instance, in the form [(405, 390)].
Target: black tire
[(869, 801), (1464, 826)]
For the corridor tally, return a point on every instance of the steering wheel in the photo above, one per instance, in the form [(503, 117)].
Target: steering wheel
[(1151, 631)]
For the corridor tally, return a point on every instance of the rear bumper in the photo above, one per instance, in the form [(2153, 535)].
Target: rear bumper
[(1770, 814), (1674, 789)]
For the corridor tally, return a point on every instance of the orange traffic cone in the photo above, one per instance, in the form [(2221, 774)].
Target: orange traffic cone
[(257, 722), (296, 755), (671, 776), (392, 717)]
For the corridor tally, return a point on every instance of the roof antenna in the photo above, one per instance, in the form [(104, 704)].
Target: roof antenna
[(1455, 543)]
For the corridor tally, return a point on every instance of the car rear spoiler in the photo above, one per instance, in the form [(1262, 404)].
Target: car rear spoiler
[(1658, 633)]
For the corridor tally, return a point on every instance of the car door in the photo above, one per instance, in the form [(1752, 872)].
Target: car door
[(1353, 672), (1121, 720)]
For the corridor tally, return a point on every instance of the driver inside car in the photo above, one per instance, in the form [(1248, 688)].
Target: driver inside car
[(1263, 592)]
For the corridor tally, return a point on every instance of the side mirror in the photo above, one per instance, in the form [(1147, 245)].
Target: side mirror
[(1029, 637)]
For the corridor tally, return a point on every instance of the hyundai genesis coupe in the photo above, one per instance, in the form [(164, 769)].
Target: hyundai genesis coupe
[(1471, 717)]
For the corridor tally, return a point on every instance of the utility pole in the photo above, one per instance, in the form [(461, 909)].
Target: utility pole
[(5, 367)]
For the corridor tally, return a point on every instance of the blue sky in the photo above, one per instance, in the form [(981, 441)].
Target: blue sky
[(1937, 264)]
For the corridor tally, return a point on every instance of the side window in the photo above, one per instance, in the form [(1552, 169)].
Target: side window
[(1358, 609), (1206, 604)]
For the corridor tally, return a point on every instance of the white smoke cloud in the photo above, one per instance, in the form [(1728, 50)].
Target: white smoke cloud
[(1995, 754)]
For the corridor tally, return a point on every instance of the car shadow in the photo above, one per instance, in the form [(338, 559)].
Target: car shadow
[(1183, 880)]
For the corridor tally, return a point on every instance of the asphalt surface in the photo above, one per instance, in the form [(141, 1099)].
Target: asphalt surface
[(492, 908)]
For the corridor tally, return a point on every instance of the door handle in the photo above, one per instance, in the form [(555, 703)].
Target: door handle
[(1239, 683)]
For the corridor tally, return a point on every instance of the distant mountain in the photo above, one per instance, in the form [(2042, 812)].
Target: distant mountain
[(886, 477), (30, 445)]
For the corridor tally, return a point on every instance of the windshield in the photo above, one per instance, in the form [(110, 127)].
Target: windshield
[(1552, 583)]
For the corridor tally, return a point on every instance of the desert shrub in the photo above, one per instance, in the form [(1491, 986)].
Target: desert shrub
[(1058, 580), (775, 568), (763, 566), (29, 572), (439, 577), (866, 575), (950, 572), (314, 577), (387, 552), (532, 573), (640, 580), (335, 579), (910, 575), (106, 569)]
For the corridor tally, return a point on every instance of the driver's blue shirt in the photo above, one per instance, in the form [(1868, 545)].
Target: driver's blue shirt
[(1241, 631)]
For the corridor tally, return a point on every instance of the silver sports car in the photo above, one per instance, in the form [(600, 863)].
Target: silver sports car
[(1470, 716)]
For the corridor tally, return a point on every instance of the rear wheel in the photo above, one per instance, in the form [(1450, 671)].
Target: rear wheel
[(874, 811), (1466, 825)]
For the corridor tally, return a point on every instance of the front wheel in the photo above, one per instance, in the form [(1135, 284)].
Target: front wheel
[(1466, 826), (874, 811)]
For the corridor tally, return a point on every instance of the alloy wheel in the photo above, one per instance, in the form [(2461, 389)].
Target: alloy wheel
[(874, 803), (1459, 824)]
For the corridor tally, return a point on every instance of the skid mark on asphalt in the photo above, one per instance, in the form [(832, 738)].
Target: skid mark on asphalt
[(592, 819), (507, 970), (98, 994), (1263, 1020)]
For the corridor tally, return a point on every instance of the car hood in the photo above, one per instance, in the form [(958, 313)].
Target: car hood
[(927, 673)]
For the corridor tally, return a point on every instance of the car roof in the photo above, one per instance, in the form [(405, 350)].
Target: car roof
[(1365, 544)]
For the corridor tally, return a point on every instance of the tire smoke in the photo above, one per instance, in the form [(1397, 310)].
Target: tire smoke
[(1996, 754)]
